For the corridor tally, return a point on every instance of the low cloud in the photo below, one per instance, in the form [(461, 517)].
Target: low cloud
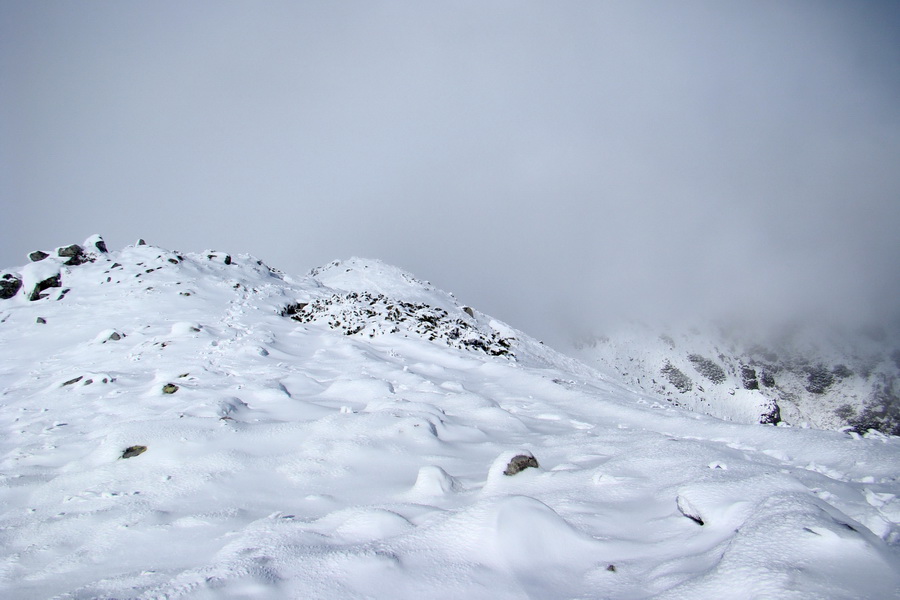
[(553, 165)]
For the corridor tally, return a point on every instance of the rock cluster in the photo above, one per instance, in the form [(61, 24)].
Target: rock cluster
[(49, 276), (362, 313)]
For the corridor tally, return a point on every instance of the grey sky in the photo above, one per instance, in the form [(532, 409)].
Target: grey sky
[(538, 159)]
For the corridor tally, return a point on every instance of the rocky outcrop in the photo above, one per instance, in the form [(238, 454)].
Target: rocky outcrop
[(677, 378), (37, 255), (748, 378), (365, 314), (707, 368), (773, 416)]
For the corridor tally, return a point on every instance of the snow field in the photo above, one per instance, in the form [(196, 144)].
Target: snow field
[(293, 461)]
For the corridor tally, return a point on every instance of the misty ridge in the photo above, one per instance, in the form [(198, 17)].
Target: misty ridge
[(573, 171)]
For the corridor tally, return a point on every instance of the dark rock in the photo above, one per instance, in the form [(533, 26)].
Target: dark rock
[(74, 253), (170, 388), (767, 379), (841, 371), (69, 251), (681, 381), (37, 255), (748, 378), (99, 244), (9, 286), (773, 416), (141, 242), (225, 258), (519, 463), (881, 412), (845, 412), (76, 380), (707, 368), (133, 451), (40, 286), (41, 320), (819, 379), (468, 310), (611, 568), (293, 309)]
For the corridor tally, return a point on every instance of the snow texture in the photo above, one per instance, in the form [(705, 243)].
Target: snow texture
[(308, 459)]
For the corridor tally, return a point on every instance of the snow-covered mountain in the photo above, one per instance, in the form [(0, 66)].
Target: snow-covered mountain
[(199, 425), (798, 374)]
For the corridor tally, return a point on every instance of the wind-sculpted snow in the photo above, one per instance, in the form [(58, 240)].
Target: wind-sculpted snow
[(167, 433)]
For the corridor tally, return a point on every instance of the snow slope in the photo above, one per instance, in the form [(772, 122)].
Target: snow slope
[(345, 435), (800, 374)]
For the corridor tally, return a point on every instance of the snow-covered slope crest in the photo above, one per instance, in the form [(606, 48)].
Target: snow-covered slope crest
[(167, 430), (373, 298)]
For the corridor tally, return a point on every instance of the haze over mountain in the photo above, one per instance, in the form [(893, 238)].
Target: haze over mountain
[(200, 425)]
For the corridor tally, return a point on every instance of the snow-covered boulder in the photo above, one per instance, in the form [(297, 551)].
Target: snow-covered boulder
[(9, 286), (95, 242), (40, 276)]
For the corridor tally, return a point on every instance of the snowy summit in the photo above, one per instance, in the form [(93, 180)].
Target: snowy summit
[(199, 425)]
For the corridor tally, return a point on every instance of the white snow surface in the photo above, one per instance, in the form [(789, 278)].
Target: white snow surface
[(296, 461)]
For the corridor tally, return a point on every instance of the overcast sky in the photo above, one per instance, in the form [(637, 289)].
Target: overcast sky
[(550, 163)]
